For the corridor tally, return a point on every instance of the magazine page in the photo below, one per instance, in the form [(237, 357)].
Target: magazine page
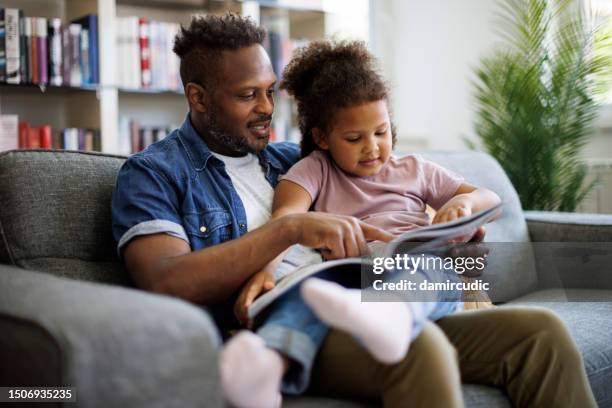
[(433, 236), (289, 281), (440, 234)]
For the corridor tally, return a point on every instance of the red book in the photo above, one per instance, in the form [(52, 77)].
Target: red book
[(145, 52), (33, 138), (24, 134), (34, 51), (45, 137)]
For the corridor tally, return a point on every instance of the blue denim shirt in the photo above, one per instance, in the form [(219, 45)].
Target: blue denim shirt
[(178, 187)]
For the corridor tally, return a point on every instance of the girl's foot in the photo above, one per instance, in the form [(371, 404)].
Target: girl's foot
[(384, 328), (251, 373)]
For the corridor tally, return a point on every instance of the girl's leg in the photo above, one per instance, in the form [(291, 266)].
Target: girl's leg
[(384, 321), (256, 367), (291, 328)]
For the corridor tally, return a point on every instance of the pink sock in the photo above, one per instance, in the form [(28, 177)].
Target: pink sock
[(384, 328), (251, 373)]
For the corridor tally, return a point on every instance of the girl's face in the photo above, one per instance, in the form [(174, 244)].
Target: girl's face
[(360, 140)]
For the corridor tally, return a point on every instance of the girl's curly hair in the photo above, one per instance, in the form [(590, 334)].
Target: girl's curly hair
[(325, 76)]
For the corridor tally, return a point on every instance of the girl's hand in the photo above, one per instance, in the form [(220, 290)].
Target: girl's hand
[(457, 207), (259, 283)]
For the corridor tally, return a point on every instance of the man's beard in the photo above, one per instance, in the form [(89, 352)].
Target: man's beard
[(224, 137)]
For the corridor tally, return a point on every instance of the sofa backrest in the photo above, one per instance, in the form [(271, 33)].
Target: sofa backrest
[(511, 263), (55, 216), (55, 213)]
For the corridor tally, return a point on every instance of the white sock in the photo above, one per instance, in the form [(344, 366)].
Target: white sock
[(251, 373), (384, 328)]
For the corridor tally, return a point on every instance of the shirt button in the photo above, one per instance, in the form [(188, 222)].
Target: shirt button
[(202, 229), (243, 226)]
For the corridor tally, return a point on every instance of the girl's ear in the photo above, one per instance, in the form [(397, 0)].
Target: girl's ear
[(319, 138)]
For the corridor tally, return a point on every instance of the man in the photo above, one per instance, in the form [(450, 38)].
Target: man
[(190, 212)]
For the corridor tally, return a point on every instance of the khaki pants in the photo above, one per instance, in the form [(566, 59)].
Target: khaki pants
[(527, 352)]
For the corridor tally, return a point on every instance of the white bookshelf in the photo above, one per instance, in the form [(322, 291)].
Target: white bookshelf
[(102, 106)]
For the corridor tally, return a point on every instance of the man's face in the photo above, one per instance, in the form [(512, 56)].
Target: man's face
[(239, 114)]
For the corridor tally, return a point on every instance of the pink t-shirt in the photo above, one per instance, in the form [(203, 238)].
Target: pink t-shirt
[(394, 199)]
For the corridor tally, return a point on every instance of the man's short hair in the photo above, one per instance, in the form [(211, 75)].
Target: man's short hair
[(200, 45)]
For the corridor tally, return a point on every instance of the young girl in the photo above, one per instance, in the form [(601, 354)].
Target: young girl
[(347, 168)]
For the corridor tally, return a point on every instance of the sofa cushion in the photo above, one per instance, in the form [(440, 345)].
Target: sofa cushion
[(511, 267), (589, 318), (55, 213)]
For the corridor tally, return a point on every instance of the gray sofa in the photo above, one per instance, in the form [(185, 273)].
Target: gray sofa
[(69, 314)]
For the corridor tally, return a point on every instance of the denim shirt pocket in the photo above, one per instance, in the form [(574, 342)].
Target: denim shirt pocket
[(207, 228)]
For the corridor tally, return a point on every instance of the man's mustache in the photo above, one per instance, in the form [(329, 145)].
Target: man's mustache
[(263, 118)]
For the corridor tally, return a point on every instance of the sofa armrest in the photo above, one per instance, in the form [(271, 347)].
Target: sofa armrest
[(548, 226), (572, 250), (116, 346)]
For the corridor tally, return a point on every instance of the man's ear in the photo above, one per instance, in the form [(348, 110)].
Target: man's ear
[(197, 97), (319, 138)]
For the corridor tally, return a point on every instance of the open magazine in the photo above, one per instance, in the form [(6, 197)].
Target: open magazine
[(421, 239)]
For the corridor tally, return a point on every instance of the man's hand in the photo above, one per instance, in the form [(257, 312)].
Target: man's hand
[(472, 248), (165, 264), (336, 236), (259, 283), (479, 235)]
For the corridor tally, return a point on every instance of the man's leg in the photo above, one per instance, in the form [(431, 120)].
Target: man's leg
[(427, 377), (526, 351)]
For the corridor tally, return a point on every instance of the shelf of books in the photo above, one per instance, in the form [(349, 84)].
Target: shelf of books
[(101, 74), (49, 75)]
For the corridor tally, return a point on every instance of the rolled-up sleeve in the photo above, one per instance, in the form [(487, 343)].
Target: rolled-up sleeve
[(144, 202)]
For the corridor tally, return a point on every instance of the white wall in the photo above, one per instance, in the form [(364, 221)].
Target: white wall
[(347, 19), (428, 49)]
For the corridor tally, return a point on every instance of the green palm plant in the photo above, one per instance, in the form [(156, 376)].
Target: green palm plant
[(537, 97)]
